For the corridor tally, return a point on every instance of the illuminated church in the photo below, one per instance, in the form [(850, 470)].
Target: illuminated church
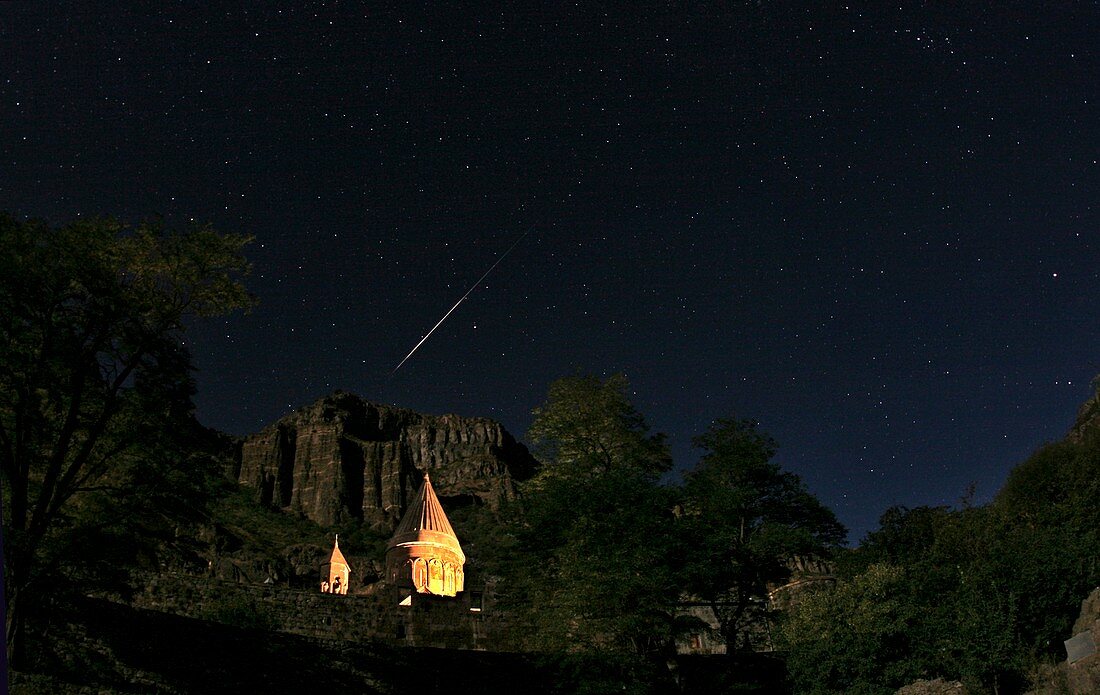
[(424, 552)]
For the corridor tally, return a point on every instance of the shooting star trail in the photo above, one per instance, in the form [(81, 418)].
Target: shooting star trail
[(461, 299)]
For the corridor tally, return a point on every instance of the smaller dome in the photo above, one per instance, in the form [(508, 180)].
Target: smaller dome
[(337, 556), (337, 572)]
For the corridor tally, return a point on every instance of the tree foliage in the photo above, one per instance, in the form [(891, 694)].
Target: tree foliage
[(1045, 538), (594, 553), (903, 537), (746, 519), (603, 553), (852, 639), (94, 378), (589, 427), (984, 591), (607, 574)]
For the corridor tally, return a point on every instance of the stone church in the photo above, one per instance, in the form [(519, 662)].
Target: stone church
[(423, 555), (424, 552)]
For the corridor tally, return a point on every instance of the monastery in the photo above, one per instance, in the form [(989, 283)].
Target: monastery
[(423, 555)]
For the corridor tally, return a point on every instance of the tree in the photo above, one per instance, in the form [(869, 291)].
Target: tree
[(1045, 537), (746, 519), (92, 368), (931, 603), (854, 638), (604, 568), (904, 536), (983, 591), (596, 547), (588, 427)]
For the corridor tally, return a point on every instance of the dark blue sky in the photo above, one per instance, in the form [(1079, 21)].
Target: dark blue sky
[(875, 230)]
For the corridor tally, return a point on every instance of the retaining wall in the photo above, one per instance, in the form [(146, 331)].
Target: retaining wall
[(467, 621)]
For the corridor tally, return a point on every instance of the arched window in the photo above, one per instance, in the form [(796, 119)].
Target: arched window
[(420, 574), (435, 576), (448, 579)]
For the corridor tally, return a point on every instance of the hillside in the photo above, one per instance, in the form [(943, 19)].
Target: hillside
[(99, 646), (1032, 547)]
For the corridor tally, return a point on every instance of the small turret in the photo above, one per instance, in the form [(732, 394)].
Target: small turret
[(337, 570)]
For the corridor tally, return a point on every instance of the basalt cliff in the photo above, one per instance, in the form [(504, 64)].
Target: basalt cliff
[(345, 458)]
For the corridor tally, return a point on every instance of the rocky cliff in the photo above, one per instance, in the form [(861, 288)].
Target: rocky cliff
[(344, 458), (1079, 674)]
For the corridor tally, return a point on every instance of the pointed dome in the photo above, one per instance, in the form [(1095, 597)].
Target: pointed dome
[(337, 571), (337, 556), (425, 524)]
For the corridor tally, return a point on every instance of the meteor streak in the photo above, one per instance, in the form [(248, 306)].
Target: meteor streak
[(460, 300)]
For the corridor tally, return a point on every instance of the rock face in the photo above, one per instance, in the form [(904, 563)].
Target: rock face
[(1080, 676), (1089, 618), (344, 458), (932, 687)]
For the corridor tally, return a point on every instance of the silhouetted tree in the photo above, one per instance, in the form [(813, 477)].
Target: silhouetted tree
[(903, 536), (932, 603), (589, 427), (1044, 538), (596, 553), (92, 371), (746, 519)]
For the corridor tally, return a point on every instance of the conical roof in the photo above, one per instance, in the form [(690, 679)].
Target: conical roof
[(337, 556), (425, 523)]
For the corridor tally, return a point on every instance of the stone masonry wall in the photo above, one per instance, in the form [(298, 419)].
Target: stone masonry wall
[(429, 622)]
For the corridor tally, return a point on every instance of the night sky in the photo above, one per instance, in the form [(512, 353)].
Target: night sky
[(874, 230)]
